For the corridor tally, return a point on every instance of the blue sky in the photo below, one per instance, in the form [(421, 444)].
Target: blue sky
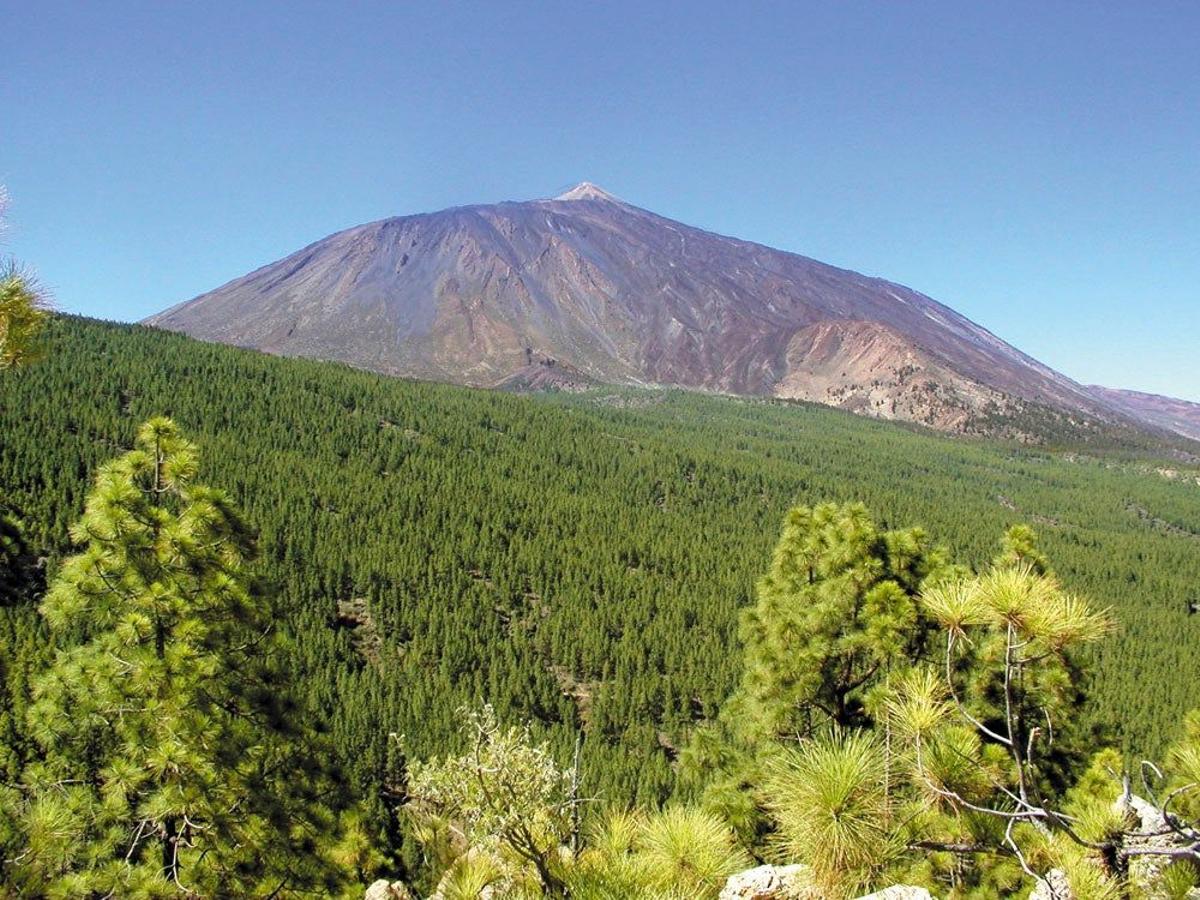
[(1034, 165)]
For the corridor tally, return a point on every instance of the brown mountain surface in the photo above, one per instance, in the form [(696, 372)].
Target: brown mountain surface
[(613, 293), (1179, 416)]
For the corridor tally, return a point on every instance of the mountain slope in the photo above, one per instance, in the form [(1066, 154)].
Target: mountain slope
[(470, 295), (1179, 416)]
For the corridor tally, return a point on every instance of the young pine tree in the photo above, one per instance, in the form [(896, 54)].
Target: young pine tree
[(836, 612), (174, 761)]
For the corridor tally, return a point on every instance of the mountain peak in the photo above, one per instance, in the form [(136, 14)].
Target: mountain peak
[(585, 190), (624, 296)]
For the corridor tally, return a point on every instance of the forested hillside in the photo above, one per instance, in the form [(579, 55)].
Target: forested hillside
[(576, 559)]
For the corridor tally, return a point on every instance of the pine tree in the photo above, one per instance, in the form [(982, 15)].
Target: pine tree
[(836, 611), (837, 606), (174, 758), (1019, 546)]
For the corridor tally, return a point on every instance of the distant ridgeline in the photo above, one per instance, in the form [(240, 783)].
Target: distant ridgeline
[(579, 558)]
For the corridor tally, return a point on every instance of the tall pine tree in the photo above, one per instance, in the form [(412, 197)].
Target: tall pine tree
[(175, 760)]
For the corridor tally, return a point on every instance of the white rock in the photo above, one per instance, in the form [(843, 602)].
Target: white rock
[(1152, 832), (900, 892), (1053, 887), (1150, 818), (769, 883), (387, 890)]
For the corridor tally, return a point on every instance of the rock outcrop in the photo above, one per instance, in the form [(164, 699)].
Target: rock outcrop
[(900, 892), (770, 883), (795, 883), (1147, 829), (1054, 886), (1150, 830), (388, 890)]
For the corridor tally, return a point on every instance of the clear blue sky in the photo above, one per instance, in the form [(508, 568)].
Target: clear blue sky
[(1035, 165)]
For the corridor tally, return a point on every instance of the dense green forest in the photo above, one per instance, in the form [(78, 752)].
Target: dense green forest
[(578, 560)]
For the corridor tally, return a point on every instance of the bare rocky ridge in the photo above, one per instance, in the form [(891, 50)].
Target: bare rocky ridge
[(485, 295)]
